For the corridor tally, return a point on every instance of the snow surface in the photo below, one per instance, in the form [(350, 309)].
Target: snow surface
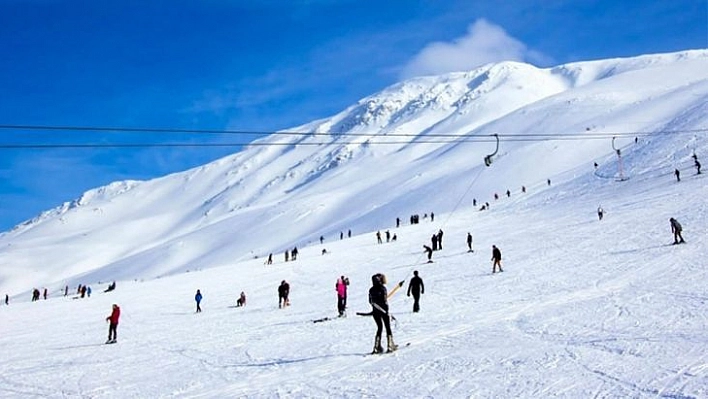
[(584, 308)]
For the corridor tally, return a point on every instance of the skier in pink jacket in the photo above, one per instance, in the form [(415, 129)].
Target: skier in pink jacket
[(341, 287)]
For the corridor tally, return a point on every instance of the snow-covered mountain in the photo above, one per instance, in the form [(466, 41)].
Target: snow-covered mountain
[(416, 147)]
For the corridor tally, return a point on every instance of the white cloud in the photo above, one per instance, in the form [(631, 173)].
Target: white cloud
[(484, 43)]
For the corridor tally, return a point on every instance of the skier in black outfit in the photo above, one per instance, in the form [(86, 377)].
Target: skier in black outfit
[(378, 298), (676, 229), (496, 259), (677, 173), (416, 287), (283, 294), (429, 251), (469, 242), (440, 235)]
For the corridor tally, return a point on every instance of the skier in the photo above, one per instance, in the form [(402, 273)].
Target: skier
[(523, 189), (548, 181), (440, 236), (7, 299), (698, 166), (677, 173), (241, 301), (508, 193), (341, 287), (496, 259), (66, 290), (469, 242), (293, 253), (429, 251), (113, 324), (417, 288), (434, 242), (600, 212), (283, 294), (269, 261), (378, 237), (198, 299), (321, 239), (676, 229), (287, 255), (88, 292), (111, 287), (379, 303), (398, 222), (432, 216), (44, 294)]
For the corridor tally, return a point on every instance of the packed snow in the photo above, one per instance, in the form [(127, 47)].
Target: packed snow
[(584, 308)]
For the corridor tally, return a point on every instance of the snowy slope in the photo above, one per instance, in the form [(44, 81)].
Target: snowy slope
[(584, 308)]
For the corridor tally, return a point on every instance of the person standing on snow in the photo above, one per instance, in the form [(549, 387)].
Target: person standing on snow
[(417, 288), (198, 299), (113, 325), (676, 229), (496, 259), (378, 298), (341, 287), (469, 242), (283, 294), (600, 212)]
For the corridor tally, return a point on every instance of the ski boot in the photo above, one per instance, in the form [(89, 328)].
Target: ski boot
[(391, 346), (377, 346)]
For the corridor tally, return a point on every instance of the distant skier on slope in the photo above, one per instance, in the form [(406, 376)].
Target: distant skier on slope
[(677, 173), (379, 303), (198, 300), (429, 252), (496, 259), (283, 294), (417, 288), (241, 301), (676, 230), (600, 212), (341, 287), (469, 242), (113, 324)]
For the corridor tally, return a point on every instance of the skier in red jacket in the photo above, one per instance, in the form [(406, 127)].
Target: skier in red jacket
[(113, 326)]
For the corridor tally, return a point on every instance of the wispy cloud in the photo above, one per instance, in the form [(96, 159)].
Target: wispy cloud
[(484, 43)]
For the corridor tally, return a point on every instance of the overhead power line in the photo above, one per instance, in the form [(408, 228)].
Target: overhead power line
[(378, 139)]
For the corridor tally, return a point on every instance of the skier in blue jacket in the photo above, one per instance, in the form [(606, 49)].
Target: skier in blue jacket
[(198, 299)]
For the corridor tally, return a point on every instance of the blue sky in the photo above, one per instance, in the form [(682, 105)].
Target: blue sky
[(260, 66)]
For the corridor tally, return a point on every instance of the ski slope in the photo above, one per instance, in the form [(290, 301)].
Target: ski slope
[(584, 308)]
